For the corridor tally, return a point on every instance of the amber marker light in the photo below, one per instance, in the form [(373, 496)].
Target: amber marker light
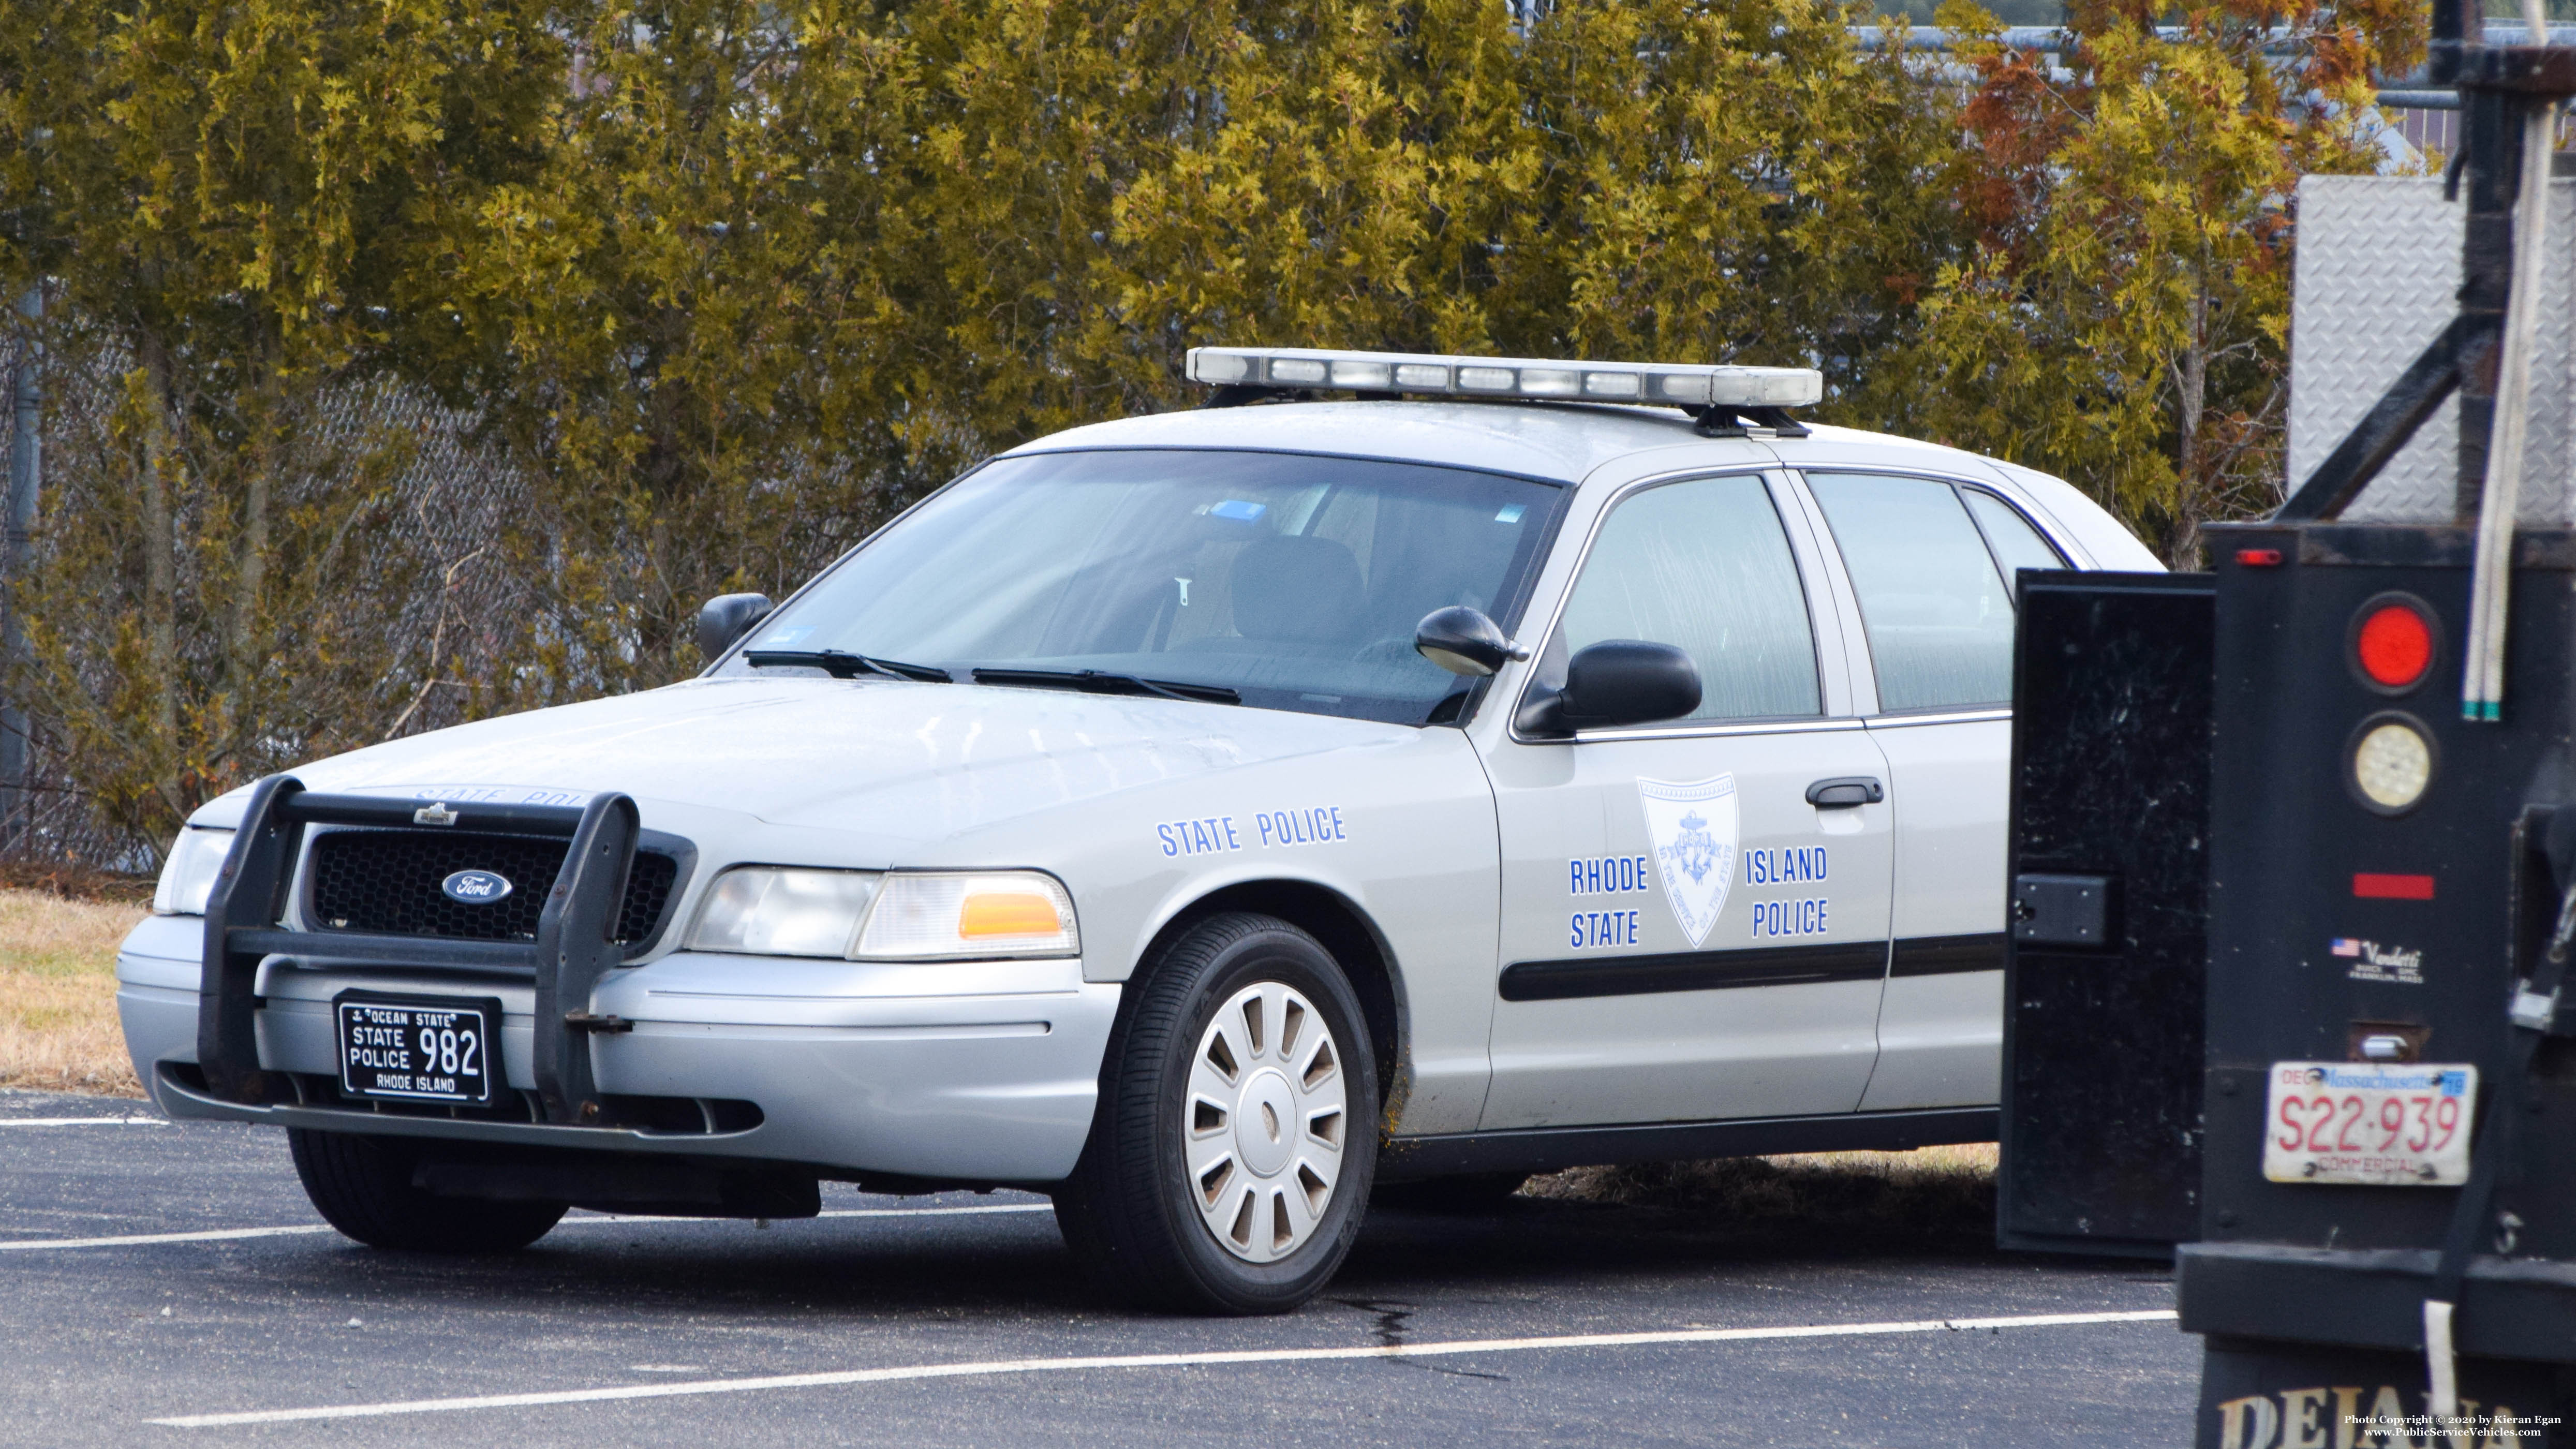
[(1007, 914), (986, 915)]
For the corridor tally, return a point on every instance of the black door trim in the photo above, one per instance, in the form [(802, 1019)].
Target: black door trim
[(1948, 955), (1694, 971)]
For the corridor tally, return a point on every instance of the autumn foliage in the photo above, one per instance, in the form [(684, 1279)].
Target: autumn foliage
[(2120, 314), (425, 358)]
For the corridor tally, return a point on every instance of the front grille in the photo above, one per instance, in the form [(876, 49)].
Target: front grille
[(387, 882)]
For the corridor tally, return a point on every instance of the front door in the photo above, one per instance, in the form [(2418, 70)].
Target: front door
[(1695, 913)]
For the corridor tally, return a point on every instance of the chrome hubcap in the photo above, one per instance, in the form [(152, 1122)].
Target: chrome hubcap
[(1267, 1122)]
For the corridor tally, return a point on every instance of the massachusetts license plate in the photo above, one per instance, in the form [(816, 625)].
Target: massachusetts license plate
[(2394, 1126), (417, 1048)]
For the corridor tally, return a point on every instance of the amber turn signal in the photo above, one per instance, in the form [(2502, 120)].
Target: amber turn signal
[(996, 914)]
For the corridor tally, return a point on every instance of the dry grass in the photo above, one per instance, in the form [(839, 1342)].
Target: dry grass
[(1939, 1198), (77, 881), (58, 1027)]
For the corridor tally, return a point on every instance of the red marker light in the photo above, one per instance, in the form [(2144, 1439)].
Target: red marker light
[(2375, 887), (2394, 645), (2259, 558)]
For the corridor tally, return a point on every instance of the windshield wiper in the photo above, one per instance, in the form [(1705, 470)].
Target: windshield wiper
[(842, 664), (1098, 681)]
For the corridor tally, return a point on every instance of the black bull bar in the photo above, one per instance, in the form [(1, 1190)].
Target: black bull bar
[(572, 951)]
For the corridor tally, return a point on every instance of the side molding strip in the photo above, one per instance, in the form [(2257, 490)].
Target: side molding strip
[(1947, 955), (1694, 971)]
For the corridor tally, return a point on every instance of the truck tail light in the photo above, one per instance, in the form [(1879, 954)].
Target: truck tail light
[(2392, 643), (2392, 762)]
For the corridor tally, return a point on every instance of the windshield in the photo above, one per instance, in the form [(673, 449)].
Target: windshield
[(1294, 582)]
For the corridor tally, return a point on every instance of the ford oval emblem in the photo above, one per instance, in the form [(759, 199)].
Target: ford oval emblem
[(475, 887)]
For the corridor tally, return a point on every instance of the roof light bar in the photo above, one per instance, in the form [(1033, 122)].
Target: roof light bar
[(1681, 385)]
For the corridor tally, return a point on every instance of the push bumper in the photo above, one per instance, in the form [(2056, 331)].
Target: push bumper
[(960, 1071)]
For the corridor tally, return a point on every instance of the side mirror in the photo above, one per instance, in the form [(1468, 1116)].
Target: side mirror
[(728, 617), (1613, 683), (1463, 641)]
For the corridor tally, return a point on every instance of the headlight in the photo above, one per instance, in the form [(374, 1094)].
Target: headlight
[(987, 914), (188, 876), (768, 910)]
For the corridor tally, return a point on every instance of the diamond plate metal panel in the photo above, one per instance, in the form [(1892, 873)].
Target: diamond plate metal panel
[(2377, 278)]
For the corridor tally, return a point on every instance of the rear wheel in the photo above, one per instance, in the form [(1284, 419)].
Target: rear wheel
[(362, 1186), (1236, 1137)]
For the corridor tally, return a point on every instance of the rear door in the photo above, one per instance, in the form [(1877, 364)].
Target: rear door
[(1928, 562), (1685, 936)]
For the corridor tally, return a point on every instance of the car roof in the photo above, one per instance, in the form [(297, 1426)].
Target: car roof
[(1561, 441), (1568, 442)]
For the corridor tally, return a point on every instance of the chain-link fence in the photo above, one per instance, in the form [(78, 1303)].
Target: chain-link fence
[(399, 510)]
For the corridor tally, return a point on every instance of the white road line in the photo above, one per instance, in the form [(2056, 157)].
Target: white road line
[(996, 1367), (221, 1235), (138, 1240), (83, 1122)]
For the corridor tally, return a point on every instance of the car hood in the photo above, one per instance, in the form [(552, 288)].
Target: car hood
[(923, 761)]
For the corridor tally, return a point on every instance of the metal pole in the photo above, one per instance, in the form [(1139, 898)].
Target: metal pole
[(26, 474)]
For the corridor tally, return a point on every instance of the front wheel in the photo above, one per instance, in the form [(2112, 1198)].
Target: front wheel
[(362, 1186), (1236, 1138)]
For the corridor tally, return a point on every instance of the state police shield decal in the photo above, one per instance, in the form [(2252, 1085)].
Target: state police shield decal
[(1693, 829)]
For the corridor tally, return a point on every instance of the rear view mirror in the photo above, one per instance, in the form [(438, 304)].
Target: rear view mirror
[(1463, 641), (728, 617), (1629, 681), (1613, 683)]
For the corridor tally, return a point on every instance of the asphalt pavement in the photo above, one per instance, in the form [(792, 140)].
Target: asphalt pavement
[(168, 1285)]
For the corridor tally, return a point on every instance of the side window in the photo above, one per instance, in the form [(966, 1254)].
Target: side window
[(2017, 545), (1703, 565), (1939, 619)]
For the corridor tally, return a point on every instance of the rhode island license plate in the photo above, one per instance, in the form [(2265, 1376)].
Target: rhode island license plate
[(2356, 1122), (417, 1048)]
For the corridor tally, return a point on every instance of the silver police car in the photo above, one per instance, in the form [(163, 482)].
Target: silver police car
[(1201, 818)]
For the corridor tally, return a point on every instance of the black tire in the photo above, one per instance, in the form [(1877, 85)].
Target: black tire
[(362, 1186), (1473, 1192), (1130, 1211)]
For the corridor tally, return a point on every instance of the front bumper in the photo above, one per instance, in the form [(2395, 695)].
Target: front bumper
[(981, 1071)]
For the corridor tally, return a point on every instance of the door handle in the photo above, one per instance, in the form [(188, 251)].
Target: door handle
[(1844, 791)]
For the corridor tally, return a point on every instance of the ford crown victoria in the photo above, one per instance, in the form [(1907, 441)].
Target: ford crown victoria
[(1201, 818)]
